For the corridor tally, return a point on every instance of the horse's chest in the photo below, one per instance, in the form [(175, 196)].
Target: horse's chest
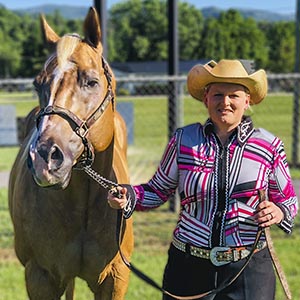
[(74, 238)]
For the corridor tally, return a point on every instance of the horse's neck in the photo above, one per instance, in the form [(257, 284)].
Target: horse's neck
[(103, 162)]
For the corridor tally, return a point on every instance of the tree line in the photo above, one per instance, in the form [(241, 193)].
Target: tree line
[(137, 30)]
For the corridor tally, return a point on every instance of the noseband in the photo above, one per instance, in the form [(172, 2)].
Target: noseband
[(81, 127)]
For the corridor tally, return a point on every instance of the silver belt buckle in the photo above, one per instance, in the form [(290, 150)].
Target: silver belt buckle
[(213, 256)]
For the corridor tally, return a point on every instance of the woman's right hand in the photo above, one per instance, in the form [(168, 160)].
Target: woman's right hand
[(117, 199)]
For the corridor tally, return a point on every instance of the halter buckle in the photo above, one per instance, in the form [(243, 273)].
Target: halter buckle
[(82, 130)]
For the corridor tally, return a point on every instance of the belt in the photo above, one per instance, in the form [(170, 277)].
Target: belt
[(218, 255)]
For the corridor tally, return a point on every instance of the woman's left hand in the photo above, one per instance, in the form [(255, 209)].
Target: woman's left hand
[(267, 213)]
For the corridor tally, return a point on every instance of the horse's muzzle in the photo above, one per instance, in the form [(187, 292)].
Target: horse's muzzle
[(48, 165)]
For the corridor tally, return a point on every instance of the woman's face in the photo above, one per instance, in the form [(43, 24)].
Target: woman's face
[(226, 104)]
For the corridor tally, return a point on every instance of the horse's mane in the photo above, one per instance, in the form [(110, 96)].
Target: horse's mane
[(65, 48)]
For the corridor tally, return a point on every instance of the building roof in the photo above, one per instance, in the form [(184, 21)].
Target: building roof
[(153, 67)]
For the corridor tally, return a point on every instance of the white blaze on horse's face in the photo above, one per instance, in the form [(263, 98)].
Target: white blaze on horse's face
[(72, 88), (63, 65), (58, 75)]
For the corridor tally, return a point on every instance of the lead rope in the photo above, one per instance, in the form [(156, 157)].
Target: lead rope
[(112, 186), (104, 182), (151, 282), (275, 260)]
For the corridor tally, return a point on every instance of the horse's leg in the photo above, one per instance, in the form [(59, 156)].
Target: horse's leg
[(105, 292), (39, 284), (70, 290), (114, 286)]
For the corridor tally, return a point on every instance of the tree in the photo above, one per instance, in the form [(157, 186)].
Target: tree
[(137, 31), (233, 37), (190, 27), (33, 52), (11, 37), (140, 30), (281, 37), (252, 43), (210, 47)]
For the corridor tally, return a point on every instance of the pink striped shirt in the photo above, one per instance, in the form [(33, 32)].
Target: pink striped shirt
[(218, 185)]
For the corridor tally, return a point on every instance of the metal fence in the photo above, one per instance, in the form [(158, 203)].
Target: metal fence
[(152, 112), (154, 119)]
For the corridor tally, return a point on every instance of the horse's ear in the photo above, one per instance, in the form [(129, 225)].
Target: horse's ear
[(91, 27), (49, 35)]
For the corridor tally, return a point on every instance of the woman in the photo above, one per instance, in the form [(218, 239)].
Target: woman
[(219, 168)]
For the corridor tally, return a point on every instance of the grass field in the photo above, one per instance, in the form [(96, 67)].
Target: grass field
[(151, 126), (152, 229), (152, 237)]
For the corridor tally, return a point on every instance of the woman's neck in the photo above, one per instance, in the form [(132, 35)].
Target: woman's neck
[(223, 132), (224, 135)]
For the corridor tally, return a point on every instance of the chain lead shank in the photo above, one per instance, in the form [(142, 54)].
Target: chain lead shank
[(104, 182)]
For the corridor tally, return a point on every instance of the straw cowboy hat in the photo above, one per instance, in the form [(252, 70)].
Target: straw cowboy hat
[(228, 71)]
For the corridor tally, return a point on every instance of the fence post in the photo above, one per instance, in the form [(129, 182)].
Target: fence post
[(100, 6), (173, 66), (295, 146), (295, 130), (173, 70)]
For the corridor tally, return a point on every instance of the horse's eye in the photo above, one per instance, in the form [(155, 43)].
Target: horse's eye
[(92, 83)]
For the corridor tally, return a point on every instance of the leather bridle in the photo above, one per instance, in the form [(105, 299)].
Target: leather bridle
[(81, 127)]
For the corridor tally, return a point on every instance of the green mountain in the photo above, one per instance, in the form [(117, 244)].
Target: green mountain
[(67, 11), (257, 14), (79, 12)]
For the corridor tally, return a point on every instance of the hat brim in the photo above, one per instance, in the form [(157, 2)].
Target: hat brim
[(199, 77)]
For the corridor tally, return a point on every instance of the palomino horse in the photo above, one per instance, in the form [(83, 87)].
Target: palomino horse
[(64, 227)]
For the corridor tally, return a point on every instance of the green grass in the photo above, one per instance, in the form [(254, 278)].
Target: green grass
[(151, 126), (23, 102), (6, 227), (153, 231), (7, 157)]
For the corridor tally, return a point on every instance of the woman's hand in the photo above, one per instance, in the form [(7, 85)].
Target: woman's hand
[(117, 199), (267, 213)]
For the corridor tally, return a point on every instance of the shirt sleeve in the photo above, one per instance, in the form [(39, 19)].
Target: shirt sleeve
[(281, 190), (163, 184)]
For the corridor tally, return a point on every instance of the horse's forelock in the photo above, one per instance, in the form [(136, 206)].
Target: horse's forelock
[(65, 48)]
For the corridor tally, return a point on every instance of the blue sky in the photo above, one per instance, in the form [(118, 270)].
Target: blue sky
[(286, 7)]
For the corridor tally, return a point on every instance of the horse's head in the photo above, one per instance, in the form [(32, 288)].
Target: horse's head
[(76, 94)]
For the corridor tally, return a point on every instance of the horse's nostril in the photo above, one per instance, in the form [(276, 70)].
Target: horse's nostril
[(53, 156), (43, 152), (56, 157)]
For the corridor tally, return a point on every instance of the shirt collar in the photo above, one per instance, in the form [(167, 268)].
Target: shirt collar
[(243, 130)]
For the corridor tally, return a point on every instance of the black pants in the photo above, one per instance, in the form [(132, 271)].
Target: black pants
[(186, 275)]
